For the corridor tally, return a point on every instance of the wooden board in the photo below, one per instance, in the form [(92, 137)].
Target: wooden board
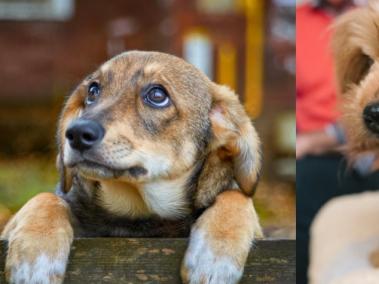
[(121, 260)]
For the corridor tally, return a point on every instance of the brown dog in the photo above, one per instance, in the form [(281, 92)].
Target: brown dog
[(345, 233), (356, 53), (148, 146)]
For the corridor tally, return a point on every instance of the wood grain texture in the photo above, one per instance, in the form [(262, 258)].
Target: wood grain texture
[(121, 260)]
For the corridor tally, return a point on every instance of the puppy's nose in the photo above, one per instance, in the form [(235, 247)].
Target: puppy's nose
[(83, 134), (371, 117)]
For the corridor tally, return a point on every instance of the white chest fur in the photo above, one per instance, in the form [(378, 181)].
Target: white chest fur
[(166, 198)]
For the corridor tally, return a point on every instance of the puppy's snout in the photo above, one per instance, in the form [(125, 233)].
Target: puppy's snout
[(83, 134), (371, 117)]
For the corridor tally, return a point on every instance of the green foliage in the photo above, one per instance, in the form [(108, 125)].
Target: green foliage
[(21, 179)]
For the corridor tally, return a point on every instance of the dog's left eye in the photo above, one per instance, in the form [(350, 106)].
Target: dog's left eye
[(156, 97), (93, 93)]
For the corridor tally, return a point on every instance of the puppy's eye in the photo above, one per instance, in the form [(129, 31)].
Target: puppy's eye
[(156, 97), (93, 93)]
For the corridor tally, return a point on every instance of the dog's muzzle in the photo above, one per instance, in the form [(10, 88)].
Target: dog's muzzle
[(84, 134)]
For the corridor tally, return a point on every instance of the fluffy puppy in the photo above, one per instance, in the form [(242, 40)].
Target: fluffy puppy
[(148, 147), (345, 233), (356, 53)]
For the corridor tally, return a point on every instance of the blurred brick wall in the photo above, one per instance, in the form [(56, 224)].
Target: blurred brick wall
[(42, 61), (39, 57)]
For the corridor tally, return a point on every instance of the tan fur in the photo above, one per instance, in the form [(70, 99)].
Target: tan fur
[(41, 226), (229, 226), (204, 137), (356, 53), (231, 223), (235, 133), (123, 199), (344, 236)]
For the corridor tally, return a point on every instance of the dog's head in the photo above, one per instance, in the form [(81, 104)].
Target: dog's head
[(149, 116), (356, 53)]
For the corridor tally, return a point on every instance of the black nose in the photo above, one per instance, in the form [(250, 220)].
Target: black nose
[(83, 134), (371, 117)]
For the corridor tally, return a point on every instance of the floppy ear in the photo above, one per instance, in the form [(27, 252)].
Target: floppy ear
[(70, 111), (355, 45), (65, 176), (235, 156), (235, 138)]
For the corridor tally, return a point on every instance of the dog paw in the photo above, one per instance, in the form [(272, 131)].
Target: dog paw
[(202, 265), (39, 239), (30, 263), (41, 269)]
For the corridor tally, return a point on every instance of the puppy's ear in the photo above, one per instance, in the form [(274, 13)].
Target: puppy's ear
[(355, 45), (70, 111), (235, 138), (65, 176)]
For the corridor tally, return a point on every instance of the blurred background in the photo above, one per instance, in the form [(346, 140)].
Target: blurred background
[(49, 46)]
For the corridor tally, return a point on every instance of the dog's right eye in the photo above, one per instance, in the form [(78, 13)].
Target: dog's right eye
[(156, 97), (93, 93)]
